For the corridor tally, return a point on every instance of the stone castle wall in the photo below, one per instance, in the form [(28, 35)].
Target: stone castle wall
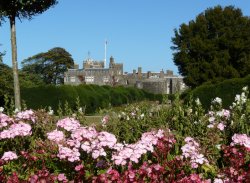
[(95, 73)]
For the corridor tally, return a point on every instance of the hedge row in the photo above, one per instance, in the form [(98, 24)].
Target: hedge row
[(92, 97), (226, 90)]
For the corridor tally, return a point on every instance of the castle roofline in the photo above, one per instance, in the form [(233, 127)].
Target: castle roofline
[(96, 69)]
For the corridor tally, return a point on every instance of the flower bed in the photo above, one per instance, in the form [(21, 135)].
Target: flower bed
[(178, 144)]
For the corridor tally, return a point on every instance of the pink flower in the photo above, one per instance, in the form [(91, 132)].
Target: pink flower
[(26, 115), (56, 136), (71, 155), (241, 139), (218, 180), (17, 129), (61, 177), (191, 150), (78, 167), (105, 120), (226, 113), (133, 152), (4, 120), (221, 126), (9, 156), (68, 124)]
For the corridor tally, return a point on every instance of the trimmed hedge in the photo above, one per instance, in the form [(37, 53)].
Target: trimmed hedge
[(92, 97), (225, 90)]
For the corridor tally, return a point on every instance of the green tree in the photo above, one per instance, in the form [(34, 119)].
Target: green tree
[(213, 47), (50, 66), (27, 80), (13, 9), (6, 78)]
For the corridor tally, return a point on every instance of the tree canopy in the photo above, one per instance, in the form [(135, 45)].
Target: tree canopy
[(13, 9), (27, 80), (6, 78), (24, 8), (50, 66), (215, 46)]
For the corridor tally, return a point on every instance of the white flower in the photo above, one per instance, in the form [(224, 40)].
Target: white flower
[(16, 110), (80, 110), (51, 112), (1, 109), (218, 146), (218, 180), (217, 100), (210, 126), (197, 101), (237, 98), (245, 88)]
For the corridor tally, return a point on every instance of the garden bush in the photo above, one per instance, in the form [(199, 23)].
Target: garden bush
[(226, 90), (91, 97)]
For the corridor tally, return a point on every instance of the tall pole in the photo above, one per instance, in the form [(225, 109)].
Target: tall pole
[(105, 53)]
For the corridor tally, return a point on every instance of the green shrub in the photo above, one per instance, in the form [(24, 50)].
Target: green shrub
[(91, 97), (225, 90)]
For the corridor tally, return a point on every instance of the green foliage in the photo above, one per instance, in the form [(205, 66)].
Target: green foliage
[(226, 90), (29, 80), (213, 47), (6, 80), (50, 66), (24, 9), (20, 9), (36, 152), (89, 97), (130, 121)]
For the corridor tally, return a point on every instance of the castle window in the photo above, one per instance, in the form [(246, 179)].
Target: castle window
[(89, 79), (105, 79), (72, 79)]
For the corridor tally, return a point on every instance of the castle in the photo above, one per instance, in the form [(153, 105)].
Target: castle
[(94, 72)]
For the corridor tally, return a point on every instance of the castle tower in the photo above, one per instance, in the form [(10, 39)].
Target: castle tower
[(139, 72), (161, 74), (111, 62)]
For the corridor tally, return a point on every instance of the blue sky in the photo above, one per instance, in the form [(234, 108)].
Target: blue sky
[(138, 31)]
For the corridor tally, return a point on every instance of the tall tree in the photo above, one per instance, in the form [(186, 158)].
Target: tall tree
[(26, 80), (13, 9), (5, 80), (50, 66), (214, 46)]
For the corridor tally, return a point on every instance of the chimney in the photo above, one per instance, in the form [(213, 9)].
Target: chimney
[(161, 74), (170, 73), (134, 72), (139, 73), (111, 62), (148, 74), (76, 66)]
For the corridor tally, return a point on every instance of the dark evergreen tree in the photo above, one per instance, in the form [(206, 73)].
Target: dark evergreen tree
[(50, 66), (27, 80), (12, 9), (213, 47)]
